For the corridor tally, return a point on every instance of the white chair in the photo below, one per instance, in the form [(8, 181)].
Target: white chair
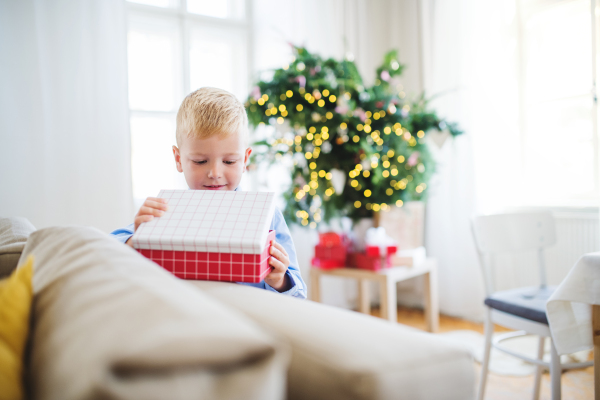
[(521, 309)]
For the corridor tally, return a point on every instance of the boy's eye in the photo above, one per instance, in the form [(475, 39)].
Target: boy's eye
[(229, 162), (200, 162)]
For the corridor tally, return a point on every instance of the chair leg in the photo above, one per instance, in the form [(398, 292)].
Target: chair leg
[(539, 369), (489, 331), (555, 372)]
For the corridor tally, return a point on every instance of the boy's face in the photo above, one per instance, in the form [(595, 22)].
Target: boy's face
[(214, 163)]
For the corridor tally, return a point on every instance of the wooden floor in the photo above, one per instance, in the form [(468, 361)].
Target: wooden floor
[(576, 384)]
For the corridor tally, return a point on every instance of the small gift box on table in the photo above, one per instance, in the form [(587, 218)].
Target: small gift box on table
[(211, 235), (331, 252), (378, 251)]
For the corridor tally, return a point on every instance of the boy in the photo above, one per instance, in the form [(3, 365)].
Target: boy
[(212, 152)]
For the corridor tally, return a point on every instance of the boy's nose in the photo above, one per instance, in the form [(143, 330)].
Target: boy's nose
[(214, 172)]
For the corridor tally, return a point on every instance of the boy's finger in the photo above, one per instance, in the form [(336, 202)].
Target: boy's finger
[(156, 204), (277, 265), (150, 211), (157, 199), (275, 252), (280, 247)]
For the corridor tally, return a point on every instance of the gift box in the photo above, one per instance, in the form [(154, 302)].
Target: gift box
[(331, 251), (365, 261), (211, 235), (380, 251)]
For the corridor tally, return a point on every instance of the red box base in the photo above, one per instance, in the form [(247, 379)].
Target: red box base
[(364, 261), (229, 267)]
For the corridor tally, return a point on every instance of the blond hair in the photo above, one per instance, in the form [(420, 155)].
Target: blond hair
[(210, 111)]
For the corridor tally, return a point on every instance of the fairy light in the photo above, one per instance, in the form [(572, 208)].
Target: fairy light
[(387, 130), (367, 193), (399, 203), (359, 127), (357, 204), (385, 174), (376, 207), (309, 136), (366, 173), (280, 120), (261, 101), (308, 155), (386, 164), (401, 159), (394, 171), (289, 93), (325, 92), (354, 183), (332, 98), (321, 103), (420, 134), (299, 107), (367, 128), (328, 176), (343, 125), (355, 139)]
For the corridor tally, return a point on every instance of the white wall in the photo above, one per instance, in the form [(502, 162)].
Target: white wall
[(64, 128)]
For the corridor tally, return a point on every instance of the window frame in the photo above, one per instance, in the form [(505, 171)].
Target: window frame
[(185, 21)]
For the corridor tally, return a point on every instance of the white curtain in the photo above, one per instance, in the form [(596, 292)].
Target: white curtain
[(64, 128)]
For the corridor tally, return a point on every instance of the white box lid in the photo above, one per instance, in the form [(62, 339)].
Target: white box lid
[(209, 221)]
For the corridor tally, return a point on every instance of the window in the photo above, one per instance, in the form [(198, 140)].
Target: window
[(559, 140), (175, 47)]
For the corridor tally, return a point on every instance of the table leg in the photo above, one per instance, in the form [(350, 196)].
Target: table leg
[(432, 313), (596, 338), (389, 307), (315, 288), (364, 298)]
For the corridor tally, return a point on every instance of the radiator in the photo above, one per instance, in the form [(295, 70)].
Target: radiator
[(577, 233)]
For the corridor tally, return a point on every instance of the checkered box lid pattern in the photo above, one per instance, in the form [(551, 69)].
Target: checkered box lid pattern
[(209, 221)]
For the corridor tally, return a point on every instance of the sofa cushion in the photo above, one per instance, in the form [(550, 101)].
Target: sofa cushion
[(15, 307), (108, 324), (14, 232), (341, 354)]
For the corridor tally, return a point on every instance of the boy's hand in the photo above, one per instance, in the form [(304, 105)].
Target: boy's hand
[(279, 263), (152, 207)]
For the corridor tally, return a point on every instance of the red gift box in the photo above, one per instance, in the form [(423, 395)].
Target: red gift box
[(210, 266), (211, 235), (331, 251), (375, 251), (364, 261)]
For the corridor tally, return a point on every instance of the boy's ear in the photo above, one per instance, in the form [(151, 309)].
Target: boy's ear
[(177, 158), (247, 157)]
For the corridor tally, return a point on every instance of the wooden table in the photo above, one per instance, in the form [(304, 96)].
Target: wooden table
[(387, 279)]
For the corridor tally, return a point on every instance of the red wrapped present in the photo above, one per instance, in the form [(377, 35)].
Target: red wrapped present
[(331, 251), (381, 251), (211, 235), (364, 261)]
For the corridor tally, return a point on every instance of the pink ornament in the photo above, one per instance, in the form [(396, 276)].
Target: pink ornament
[(255, 93), (343, 109), (385, 76), (413, 159), (360, 113), (301, 79)]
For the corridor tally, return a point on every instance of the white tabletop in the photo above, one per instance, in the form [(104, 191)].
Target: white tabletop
[(569, 309)]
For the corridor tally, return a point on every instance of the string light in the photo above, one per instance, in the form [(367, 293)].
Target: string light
[(357, 204)]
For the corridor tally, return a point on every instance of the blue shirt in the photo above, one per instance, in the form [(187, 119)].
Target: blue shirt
[(282, 236)]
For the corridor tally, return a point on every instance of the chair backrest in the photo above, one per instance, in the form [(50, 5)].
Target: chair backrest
[(504, 233), (513, 232)]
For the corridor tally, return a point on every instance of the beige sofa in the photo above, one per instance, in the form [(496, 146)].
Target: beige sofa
[(110, 324)]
